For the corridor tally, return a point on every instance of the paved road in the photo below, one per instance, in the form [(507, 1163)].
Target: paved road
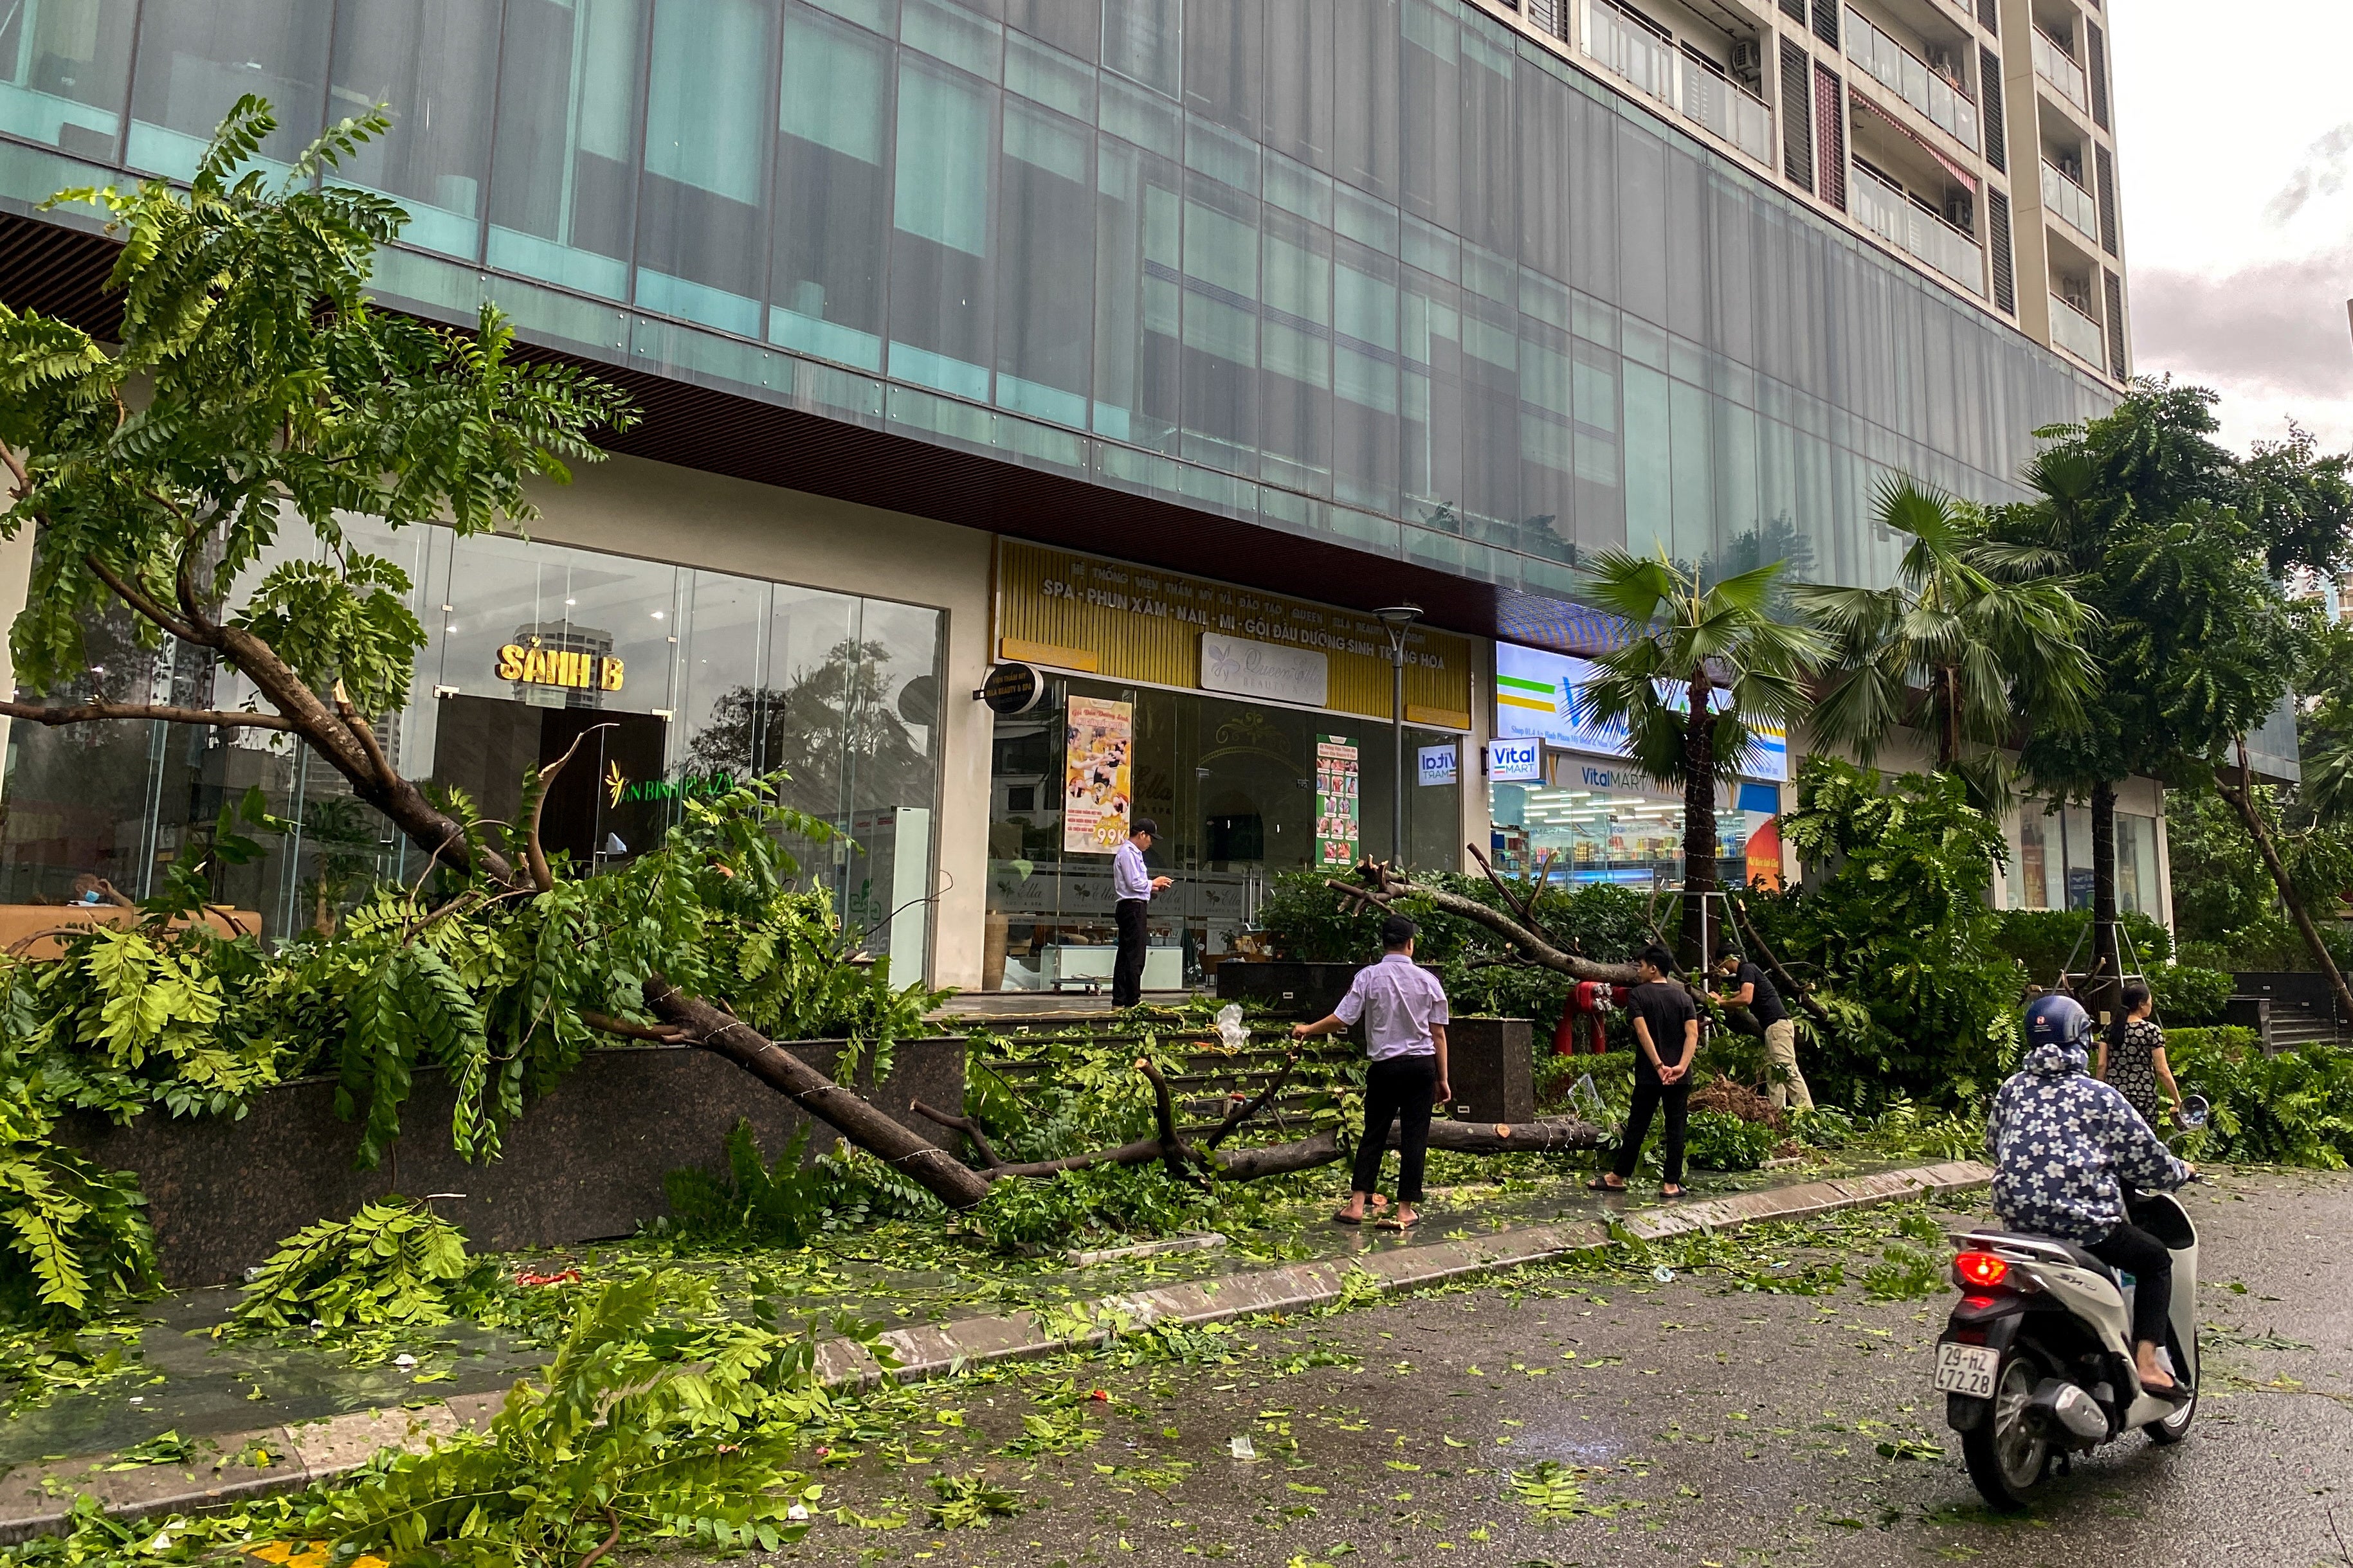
[(1587, 1418)]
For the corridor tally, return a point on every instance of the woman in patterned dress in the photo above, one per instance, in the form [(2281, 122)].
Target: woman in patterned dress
[(2132, 1056)]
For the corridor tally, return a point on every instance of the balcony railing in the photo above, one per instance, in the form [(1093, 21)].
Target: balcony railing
[(1726, 108), (1692, 87), (2071, 202), (2077, 333), (1884, 208), (1909, 77), (2058, 68)]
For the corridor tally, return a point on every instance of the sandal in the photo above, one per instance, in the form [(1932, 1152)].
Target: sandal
[(1347, 1219), (1604, 1185), (1671, 1190), (1392, 1223)]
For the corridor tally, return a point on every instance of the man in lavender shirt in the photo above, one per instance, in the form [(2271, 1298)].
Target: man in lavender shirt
[(1132, 886), (1404, 1010)]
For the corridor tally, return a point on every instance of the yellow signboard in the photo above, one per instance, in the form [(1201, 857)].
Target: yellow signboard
[(559, 667), (1118, 622)]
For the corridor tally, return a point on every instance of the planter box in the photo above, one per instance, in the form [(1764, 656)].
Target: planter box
[(1490, 1064), (583, 1164), (1306, 991)]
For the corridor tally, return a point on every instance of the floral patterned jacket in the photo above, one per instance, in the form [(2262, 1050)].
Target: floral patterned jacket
[(2060, 1139)]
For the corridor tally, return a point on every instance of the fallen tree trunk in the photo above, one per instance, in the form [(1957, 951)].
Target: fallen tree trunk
[(704, 1027)]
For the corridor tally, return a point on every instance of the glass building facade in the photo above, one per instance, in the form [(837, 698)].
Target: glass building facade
[(1382, 271), (673, 682)]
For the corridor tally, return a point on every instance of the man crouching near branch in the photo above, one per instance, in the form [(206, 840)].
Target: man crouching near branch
[(1404, 1010)]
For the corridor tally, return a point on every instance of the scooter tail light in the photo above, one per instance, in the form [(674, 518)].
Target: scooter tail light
[(1981, 1270)]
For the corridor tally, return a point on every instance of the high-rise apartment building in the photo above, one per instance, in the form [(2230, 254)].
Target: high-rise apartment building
[(1976, 142), (1148, 345)]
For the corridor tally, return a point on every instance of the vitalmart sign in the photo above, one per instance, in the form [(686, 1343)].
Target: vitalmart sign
[(1537, 695)]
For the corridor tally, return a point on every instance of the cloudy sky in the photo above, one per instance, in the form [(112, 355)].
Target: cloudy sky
[(2235, 136)]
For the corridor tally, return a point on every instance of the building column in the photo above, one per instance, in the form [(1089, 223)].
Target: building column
[(1478, 822), (16, 583)]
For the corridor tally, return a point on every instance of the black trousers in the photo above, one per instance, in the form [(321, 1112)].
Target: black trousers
[(1649, 1093), (1127, 968), (2144, 1257), (1397, 1090)]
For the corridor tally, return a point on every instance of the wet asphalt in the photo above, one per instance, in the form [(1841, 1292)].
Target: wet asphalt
[(1558, 1417)]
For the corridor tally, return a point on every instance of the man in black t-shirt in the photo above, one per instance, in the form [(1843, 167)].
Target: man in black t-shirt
[(1748, 988), (1666, 1037)]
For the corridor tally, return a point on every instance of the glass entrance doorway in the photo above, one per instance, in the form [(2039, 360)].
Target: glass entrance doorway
[(1236, 789)]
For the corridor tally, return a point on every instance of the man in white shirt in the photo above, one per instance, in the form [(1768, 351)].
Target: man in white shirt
[(1133, 886), (1404, 1010)]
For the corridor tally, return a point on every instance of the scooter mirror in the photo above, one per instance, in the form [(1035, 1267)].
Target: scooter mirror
[(2194, 1111)]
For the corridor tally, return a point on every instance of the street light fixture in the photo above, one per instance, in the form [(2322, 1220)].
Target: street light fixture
[(1396, 618)]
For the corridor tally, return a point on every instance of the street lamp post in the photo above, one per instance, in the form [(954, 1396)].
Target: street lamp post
[(1396, 618)]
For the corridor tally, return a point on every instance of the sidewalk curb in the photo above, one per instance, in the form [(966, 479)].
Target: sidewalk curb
[(36, 1500)]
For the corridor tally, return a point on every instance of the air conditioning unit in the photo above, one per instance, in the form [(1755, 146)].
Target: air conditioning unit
[(1958, 212), (1748, 60)]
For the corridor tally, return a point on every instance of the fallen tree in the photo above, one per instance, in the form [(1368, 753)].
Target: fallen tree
[(251, 387)]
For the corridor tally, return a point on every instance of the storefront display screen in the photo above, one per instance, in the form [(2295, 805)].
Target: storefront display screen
[(1336, 799), (1098, 765)]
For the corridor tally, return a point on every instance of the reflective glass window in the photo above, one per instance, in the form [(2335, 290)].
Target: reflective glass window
[(1364, 96), (430, 62), (65, 68), (1224, 62), (1295, 356), (940, 289), (1142, 40), (1046, 266), (833, 183), (1364, 378), (1220, 378), (1138, 295), (703, 217), (1298, 103), (564, 182), (1429, 113), (196, 58)]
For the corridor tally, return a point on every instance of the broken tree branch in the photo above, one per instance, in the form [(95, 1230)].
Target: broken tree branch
[(708, 1028), (535, 856), (1789, 984), (98, 708), (1243, 1111), (1380, 887), (989, 1158), (610, 1024), (1174, 1151)]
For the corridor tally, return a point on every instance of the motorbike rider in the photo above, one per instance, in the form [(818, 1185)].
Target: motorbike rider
[(2062, 1144)]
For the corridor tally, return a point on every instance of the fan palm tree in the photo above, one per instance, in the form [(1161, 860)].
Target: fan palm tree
[(1973, 633), (1701, 660)]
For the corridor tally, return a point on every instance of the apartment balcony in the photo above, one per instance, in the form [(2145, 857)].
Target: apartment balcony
[(1726, 108), (1911, 78), (2057, 67), (1692, 87), (2070, 202), (2078, 334), (1884, 208)]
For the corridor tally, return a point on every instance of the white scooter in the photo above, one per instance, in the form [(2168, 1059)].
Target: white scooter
[(2037, 1358)]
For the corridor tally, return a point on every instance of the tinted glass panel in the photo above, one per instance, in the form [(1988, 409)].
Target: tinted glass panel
[(564, 182), (65, 67), (196, 58), (430, 63)]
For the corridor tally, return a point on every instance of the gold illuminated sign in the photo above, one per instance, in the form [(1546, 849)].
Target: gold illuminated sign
[(559, 667)]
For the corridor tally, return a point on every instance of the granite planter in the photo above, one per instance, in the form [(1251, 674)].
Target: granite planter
[(583, 1163)]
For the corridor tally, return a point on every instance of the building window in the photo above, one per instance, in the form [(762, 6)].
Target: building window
[(674, 680)]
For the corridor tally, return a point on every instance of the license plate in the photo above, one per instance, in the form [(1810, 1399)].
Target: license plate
[(1966, 1369)]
